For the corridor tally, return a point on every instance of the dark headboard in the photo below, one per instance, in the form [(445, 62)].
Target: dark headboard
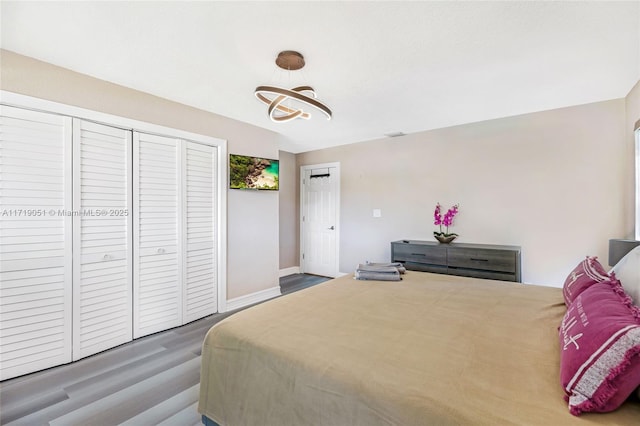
[(618, 248)]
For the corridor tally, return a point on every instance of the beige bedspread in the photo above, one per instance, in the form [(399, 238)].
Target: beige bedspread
[(430, 350)]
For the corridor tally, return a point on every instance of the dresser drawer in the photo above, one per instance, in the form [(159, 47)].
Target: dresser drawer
[(487, 260), (426, 267), (420, 253), (477, 273)]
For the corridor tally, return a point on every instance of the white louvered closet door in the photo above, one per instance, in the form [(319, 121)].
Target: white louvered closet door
[(35, 241), (157, 242), (102, 290), (199, 224)]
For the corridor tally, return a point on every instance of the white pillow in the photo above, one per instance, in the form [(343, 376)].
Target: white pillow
[(627, 270)]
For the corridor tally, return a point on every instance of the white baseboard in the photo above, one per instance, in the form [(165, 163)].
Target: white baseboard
[(342, 274), (249, 299), (289, 271)]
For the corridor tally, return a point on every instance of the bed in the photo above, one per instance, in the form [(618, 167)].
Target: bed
[(429, 350)]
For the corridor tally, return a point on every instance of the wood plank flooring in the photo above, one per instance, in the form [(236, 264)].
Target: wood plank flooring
[(153, 380)]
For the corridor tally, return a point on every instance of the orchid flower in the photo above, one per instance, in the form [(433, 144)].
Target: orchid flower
[(437, 216), (447, 220)]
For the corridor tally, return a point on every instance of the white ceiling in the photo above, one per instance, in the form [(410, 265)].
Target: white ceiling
[(380, 66)]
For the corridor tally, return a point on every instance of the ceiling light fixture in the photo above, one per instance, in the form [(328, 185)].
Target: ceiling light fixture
[(278, 112)]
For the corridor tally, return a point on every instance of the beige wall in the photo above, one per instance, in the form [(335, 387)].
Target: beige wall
[(288, 211), (550, 182), (633, 115), (252, 215)]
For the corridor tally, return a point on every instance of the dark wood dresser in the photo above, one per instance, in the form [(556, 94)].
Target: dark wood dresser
[(493, 262)]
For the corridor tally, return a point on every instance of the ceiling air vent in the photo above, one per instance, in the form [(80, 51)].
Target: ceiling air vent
[(394, 134)]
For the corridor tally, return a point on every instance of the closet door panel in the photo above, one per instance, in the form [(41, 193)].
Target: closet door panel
[(199, 224), (158, 254), (35, 243), (102, 238)]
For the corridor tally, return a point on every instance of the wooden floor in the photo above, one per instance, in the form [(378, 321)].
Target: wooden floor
[(152, 381)]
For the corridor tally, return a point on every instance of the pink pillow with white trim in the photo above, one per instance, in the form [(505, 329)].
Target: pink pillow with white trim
[(600, 349), (587, 273)]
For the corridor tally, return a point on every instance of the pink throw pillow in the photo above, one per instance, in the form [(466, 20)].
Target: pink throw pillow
[(600, 349), (587, 273)]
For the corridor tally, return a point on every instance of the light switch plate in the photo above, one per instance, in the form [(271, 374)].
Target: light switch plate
[(377, 213)]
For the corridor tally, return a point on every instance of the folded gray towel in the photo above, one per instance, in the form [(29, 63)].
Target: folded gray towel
[(377, 276), (379, 269), (399, 266), (384, 263)]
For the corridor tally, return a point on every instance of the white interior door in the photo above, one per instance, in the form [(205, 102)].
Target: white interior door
[(320, 219), (199, 230), (35, 241), (157, 289), (102, 287)]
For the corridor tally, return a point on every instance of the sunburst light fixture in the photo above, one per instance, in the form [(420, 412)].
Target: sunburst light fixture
[(286, 104)]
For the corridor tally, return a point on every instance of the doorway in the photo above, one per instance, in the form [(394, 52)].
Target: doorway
[(320, 219)]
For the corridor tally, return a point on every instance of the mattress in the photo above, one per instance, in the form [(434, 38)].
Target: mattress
[(431, 349)]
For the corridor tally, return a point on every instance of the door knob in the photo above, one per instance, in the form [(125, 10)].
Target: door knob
[(332, 227)]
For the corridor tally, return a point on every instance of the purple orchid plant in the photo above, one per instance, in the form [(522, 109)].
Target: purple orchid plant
[(445, 221)]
